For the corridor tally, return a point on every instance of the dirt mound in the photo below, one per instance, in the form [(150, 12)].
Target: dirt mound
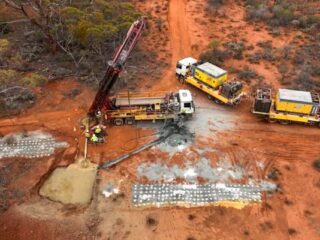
[(71, 185)]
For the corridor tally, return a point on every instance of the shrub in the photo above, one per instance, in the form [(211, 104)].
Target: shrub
[(286, 52), (258, 13), (34, 80), (215, 56), (247, 73), (265, 44), (214, 4), (72, 93), (236, 49), (292, 231), (316, 164), (299, 57), (4, 43), (304, 79), (268, 55), (255, 58), (315, 70), (283, 68), (284, 14), (254, 3), (215, 43), (4, 26), (3, 108), (8, 76)]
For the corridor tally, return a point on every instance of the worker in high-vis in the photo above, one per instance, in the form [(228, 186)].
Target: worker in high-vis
[(100, 133), (87, 134), (94, 139)]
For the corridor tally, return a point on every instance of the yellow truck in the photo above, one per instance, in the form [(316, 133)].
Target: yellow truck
[(211, 80), (288, 106)]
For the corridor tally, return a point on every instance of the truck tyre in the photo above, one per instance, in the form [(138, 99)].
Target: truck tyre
[(129, 121), (181, 79), (270, 120), (237, 102), (284, 122), (210, 97), (118, 122), (217, 101)]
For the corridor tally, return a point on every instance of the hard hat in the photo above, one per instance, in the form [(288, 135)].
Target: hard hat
[(87, 133), (97, 129)]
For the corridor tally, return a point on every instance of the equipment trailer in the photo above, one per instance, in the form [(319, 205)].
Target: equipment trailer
[(211, 80), (288, 106)]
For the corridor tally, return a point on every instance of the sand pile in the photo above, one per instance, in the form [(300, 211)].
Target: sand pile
[(70, 185)]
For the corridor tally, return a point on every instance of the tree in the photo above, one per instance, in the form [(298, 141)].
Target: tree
[(78, 30)]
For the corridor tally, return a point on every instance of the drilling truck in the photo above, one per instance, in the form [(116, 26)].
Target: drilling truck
[(126, 108), (287, 106), (210, 79), (130, 107)]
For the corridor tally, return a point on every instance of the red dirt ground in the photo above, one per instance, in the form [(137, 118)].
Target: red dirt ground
[(291, 213)]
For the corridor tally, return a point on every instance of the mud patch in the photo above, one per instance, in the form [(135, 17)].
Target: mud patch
[(207, 121), (177, 142), (70, 185)]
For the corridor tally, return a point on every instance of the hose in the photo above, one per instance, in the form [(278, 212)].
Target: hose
[(138, 150)]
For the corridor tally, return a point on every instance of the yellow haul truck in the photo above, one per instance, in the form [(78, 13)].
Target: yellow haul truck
[(288, 106), (130, 107), (211, 80)]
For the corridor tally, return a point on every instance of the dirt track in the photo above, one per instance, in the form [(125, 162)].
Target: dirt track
[(232, 132)]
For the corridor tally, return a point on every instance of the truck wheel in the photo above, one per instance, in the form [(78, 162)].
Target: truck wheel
[(284, 122), (118, 122), (210, 97), (181, 79), (217, 101), (237, 102), (270, 120), (129, 121)]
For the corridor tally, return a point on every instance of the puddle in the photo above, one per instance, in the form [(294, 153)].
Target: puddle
[(70, 185)]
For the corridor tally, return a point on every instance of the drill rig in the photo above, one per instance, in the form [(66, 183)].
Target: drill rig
[(101, 101), (130, 107)]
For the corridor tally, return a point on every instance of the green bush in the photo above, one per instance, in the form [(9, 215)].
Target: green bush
[(4, 43), (34, 80), (8, 76), (282, 13), (215, 43), (215, 56), (107, 22)]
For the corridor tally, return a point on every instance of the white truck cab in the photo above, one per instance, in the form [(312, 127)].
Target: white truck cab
[(186, 102), (183, 66)]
